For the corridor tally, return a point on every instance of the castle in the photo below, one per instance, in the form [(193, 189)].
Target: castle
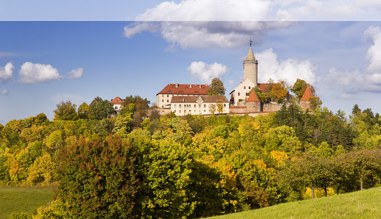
[(194, 99)]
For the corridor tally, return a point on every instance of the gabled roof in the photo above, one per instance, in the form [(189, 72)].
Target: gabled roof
[(253, 97), (185, 89), (263, 87), (307, 95), (193, 99), (117, 100)]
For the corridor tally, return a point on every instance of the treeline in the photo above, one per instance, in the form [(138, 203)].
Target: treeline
[(138, 164)]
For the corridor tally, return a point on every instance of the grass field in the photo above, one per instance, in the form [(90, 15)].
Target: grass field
[(23, 199), (363, 204)]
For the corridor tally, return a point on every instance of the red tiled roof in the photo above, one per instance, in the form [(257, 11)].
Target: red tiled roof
[(253, 97), (185, 89), (117, 100), (307, 95), (193, 99), (263, 87)]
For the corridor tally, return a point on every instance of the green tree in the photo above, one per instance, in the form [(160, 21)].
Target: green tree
[(216, 87), (100, 109), (299, 87), (65, 111), (98, 178), (83, 111)]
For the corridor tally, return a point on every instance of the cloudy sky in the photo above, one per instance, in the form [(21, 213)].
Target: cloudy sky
[(123, 49)]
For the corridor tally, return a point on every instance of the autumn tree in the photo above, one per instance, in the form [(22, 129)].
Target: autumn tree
[(98, 178), (216, 87), (65, 111), (299, 87)]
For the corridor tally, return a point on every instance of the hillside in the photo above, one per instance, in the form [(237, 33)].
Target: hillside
[(362, 204)]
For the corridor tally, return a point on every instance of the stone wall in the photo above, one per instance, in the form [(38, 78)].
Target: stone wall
[(271, 107)]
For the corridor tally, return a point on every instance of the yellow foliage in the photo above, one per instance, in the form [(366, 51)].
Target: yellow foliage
[(260, 164), (280, 157), (318, 193)]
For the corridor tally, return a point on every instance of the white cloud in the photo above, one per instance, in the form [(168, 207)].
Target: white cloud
[(206, 72), (136, 28), (374, 52), (288, 70), (6, 72), (34, 73), (368, 79), (262, 10), (76, 73), (208, 10), (208, 34)]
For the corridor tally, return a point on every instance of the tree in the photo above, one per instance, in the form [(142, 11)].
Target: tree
[(137, 107), (99, 179), (65, 111), (216, 87), (83, 111), (100, 109), (278, 92), (299, 87)]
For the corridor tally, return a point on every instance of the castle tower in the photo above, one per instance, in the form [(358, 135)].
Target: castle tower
[(250, 67)]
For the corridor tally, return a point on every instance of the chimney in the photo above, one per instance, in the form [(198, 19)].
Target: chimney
[(177, 85), (190, 86)]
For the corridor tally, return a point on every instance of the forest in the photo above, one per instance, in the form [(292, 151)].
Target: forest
[(138, 164)]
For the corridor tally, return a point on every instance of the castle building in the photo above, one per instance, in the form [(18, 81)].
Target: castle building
[(250, 80), (164, 97), (199, 105)]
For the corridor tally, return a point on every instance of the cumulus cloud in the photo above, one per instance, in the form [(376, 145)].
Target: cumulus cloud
[(270, 67), (34, 73), (6, 72), (208, 10), (368, 79), (207, 34), (206, 72), (260, 10), (230, 23), (205, 23), (374, 51), (76, 73)]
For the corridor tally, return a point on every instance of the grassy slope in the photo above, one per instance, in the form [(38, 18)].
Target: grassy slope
[(363, 204), (23, 199)]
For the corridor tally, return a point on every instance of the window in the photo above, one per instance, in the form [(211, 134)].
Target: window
[(180, 106), (244, 87), (162, 101), (194, 105), (224, 104), (247, 94), (249, 87), (239, 94), (167, 95), (204, 105), (167, 101), (174, 105)]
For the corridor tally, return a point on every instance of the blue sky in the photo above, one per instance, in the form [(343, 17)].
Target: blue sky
[(45, 62)]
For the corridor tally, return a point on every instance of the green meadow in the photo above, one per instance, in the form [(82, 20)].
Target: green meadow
[(362, 204), (25, 200)]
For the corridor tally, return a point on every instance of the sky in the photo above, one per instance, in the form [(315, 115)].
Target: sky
[(52, 51)]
